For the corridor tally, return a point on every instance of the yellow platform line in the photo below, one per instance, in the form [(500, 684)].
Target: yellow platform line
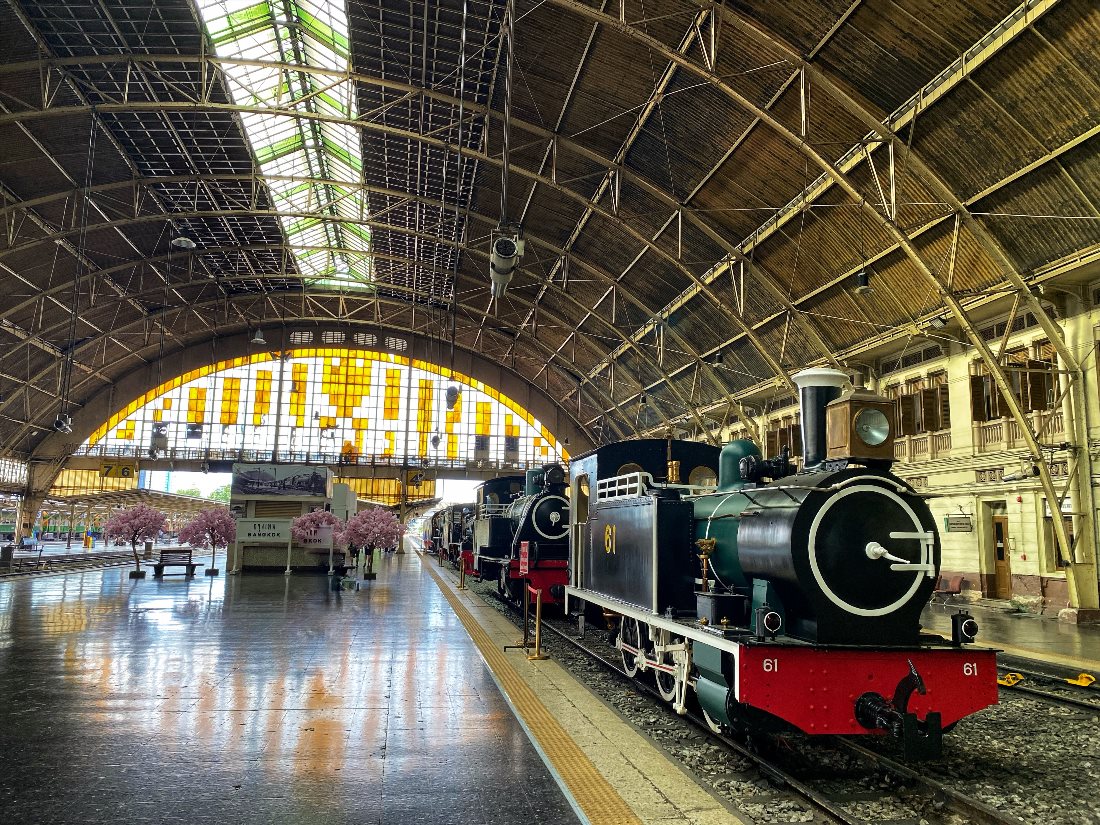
[(1046, 656), (595, 796)]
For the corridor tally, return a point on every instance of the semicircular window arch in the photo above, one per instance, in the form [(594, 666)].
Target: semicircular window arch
[(328, 405)]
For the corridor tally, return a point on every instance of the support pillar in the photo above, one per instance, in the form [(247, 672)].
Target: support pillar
[(1081, 575), (26, 515)]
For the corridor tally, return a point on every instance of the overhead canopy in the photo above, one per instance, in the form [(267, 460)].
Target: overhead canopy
[(698, 185)]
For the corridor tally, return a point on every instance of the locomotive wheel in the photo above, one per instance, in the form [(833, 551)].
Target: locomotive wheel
[(666, 682), (630, 634), (504, 586)]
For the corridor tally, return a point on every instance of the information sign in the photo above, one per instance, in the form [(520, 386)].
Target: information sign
[(959, 523), (263, 530), (118, 469), (283, 480), (524, 558)]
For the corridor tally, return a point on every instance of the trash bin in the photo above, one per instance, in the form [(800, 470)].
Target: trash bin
[(148, 550), (7, 553)]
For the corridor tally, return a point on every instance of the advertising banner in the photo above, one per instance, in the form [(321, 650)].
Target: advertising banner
[(263, 530), (281, 480)]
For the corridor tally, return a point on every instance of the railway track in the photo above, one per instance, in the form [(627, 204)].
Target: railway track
[(835, 789), (1049, 688), (63, 563)]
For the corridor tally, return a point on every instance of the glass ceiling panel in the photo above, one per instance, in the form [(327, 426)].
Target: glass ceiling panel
[(299, 156)]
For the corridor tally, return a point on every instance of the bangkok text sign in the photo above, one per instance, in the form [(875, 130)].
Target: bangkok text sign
[(263, 529)]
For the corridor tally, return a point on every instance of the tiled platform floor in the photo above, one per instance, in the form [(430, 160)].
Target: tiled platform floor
[(254, 699)]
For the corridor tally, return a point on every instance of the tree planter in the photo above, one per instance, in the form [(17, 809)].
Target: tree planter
[(212, 571), (137, 574)]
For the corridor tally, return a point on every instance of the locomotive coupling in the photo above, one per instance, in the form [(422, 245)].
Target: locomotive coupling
[(919, 739)]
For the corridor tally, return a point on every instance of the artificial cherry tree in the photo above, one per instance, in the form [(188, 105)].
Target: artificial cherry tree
[(133, 524), (210, 529)]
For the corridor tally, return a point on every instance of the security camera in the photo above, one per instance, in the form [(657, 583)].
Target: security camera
[(505, 255), (63, 424)]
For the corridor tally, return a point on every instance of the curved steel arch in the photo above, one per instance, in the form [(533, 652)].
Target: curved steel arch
[(611, 281), (245, 325), (901, 238), (766, 280), (389, 227), (102, 404)]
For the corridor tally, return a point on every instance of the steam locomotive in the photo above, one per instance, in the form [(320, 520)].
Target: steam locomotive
[(778, 597), (520, 533), (447, 530)]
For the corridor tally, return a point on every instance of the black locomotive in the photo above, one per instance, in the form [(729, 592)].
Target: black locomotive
[(779, 595), (520, 533)]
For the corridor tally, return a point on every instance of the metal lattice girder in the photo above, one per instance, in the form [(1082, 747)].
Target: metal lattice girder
[(1088, 596), (353, 307), (252, 210), (205, 282), (119, 103)]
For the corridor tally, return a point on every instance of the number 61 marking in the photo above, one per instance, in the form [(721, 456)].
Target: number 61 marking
[(970, 668)]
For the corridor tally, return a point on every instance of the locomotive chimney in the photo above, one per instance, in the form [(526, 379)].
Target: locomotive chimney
[(816, 387)]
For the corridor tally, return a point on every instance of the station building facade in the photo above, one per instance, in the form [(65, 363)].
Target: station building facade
[(958, 444)]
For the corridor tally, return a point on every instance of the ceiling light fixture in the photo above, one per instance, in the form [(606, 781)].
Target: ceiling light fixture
[(183, 242), (862, 283), (937, 321), (258, 338)]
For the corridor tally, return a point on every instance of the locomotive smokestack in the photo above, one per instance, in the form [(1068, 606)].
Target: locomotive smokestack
[(816, 387)]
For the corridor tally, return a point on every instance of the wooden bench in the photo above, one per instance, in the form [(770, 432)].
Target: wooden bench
[(174, 558), (951, 590)]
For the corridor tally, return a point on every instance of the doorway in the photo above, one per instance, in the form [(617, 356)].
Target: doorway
[(1002, 566)]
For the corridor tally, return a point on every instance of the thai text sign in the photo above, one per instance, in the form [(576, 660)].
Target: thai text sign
[(320, 539), (263, 529), (524, 558)]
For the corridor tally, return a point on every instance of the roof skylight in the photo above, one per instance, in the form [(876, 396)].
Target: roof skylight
[(310, 165)]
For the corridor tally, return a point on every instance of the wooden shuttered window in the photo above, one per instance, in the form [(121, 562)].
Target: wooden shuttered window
[(771, 443), (930, 409), (905, 414)]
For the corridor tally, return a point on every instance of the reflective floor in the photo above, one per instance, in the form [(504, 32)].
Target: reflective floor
[(254, 699), (1023, 634)]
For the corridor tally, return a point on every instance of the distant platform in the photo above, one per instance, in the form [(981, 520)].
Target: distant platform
[(1024, 635)]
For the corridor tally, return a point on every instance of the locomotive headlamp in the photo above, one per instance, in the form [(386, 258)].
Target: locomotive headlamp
[(872, 426), (964, 630)]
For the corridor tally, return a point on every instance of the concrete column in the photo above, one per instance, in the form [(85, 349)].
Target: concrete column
[(26, 516), (1084, 588)]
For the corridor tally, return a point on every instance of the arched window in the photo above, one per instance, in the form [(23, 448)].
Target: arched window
[(328, 405)]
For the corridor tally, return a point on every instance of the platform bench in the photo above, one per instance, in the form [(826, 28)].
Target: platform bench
[(174, 558)]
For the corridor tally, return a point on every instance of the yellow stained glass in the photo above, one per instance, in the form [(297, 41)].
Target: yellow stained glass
[(299, 374), (261, 402), (483, 420), (392, 409), (196, 405), (229, 413), (424, 399)]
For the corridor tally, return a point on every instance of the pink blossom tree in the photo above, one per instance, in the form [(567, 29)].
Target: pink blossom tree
[(373, 527), (138, 523), (210, 529)]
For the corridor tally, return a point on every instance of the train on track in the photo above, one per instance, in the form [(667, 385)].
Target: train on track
[(519, 534), (447, 530), (777, 597)]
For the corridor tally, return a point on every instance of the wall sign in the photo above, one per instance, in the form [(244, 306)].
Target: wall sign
[(959, 523), (263, 529)]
